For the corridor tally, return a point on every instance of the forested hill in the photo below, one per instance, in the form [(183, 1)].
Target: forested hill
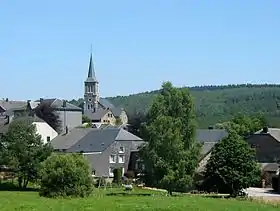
[(218, 103)]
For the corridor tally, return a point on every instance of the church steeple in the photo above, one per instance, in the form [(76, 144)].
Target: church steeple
[(91, 95), (91, 73)]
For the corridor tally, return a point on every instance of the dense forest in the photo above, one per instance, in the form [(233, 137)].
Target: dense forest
[(216, 103)]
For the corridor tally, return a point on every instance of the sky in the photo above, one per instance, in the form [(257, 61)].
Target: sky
[(137, 45)]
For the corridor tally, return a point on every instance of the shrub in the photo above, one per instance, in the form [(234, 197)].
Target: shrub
[(100, 182), (65, 175), (117, 176), (129, 174), (275, 181)]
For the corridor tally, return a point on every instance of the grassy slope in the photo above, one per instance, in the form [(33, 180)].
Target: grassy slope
[(214, 104), (31, 201)]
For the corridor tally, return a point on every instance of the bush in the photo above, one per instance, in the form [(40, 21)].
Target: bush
[(100, 182), (117, 176), (275, 181), (65, 175), (129, 174)]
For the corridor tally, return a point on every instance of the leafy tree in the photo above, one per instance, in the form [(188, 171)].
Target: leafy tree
[(117, 175), (118, 121), (66, 175), (244, 125), (85, 119), (49, 115), (232, 166), (135, 123), (171, 153), (24, 150)]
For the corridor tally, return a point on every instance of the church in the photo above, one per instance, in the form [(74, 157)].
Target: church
[(97, 109)]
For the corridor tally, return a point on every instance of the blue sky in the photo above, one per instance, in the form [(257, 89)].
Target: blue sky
[(45, 45)]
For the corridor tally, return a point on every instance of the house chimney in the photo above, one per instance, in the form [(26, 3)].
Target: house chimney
[(66, 129), (64, 104), (7, 99), (265, 129), (41, 100)]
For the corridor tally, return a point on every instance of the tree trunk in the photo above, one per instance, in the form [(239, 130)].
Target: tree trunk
[(170, 192), (25, 182), (20, 182)]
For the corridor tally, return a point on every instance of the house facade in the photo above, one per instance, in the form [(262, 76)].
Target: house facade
[(70, 115), (105, 149), (99, 109), (43, 129), (266, 142)]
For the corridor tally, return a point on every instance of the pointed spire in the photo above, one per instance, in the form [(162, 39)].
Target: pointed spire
[(91, 72)]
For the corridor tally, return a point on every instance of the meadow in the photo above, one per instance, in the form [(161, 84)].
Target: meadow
[(100, 200)]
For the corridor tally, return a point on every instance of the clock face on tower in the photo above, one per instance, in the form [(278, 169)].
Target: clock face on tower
[(89, 100)]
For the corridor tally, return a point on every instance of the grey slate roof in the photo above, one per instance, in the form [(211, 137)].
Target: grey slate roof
[(30, 119), (209, 137), (11, 105), (91, 139), (96, 115), (106, 103), (58, 104), (274, 132), (269, 167), (91, 73)]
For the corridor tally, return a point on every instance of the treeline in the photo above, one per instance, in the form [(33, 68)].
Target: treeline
[(215, 103)]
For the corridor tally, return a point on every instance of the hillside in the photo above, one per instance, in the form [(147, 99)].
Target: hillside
[(218, 103)]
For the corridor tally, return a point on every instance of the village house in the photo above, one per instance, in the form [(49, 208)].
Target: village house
[(43, 129), (105, 149), (266, 142)]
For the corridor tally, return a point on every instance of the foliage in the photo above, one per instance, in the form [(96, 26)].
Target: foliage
[(244, 125), (232, 166), (24, 150), (85, 119), (275, 182), (101, 182), (215, 103), (66, 175), (117, 176), (26, 201), (129, 174), (49, 115), (118, 121), (171, 153), (135, 122)]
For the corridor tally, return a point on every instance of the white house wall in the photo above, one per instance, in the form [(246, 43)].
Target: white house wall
[(45, 131)]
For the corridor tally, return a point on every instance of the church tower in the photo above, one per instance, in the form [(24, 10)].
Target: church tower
[(91, 94)]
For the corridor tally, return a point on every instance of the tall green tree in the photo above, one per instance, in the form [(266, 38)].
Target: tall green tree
[(232, 166), (171, 153), (24, 150), (244, 125), (49, 115)]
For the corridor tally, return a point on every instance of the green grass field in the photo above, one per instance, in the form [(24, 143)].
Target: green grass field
[(14, 200)]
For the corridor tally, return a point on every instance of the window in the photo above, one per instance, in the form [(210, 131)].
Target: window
[(88, 107), (112, 159), (93, 173), (121, 150), (111, 171), (48, 139), (121, 158)]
